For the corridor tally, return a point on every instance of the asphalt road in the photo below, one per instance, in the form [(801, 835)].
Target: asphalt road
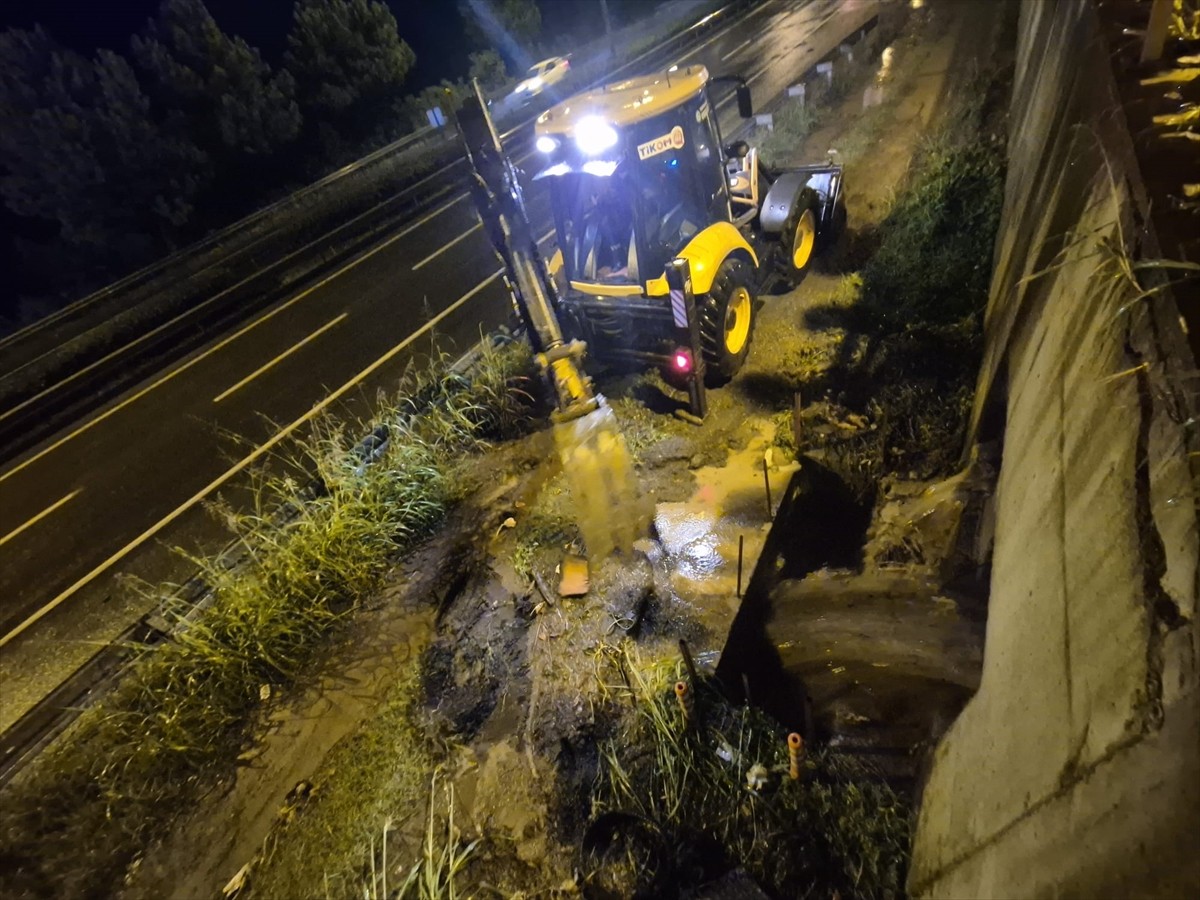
[(113, 494)]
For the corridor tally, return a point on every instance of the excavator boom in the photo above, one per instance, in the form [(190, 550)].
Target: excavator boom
[(608, 507), (500, 200)]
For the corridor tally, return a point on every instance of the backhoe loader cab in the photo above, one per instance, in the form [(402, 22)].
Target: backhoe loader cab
[(638, 176)]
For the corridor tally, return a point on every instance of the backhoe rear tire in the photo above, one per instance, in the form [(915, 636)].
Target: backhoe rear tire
[(799, 237), (727, 321)]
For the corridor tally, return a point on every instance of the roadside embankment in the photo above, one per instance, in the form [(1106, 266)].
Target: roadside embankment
[(1075, 770)]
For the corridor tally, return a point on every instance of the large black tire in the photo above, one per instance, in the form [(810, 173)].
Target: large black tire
[(798, 239), (727, 321)]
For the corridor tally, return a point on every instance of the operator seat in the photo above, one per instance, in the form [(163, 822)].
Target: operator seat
[(742, 173)]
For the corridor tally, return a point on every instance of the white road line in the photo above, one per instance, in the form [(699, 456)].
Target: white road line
[(238, 467), (736, 49), (45, 512), (763, 71), (446, 246), (437, 212), (720, 34), (288, 352), (191, 362)]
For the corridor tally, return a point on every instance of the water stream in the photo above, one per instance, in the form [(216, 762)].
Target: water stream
[(608, 506)]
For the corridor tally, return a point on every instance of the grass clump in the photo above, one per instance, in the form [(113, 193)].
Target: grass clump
[(435, 875), (924, 292), (374, 772), (185, 710), (541, 536), (706, 799), (918, 317)]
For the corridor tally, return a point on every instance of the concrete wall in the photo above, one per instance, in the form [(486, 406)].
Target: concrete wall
[(1075, 770)]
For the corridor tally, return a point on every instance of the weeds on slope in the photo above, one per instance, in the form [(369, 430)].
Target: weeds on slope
[(924, 292), (915, 332), (679, 805), (378, 772), (72, 824)]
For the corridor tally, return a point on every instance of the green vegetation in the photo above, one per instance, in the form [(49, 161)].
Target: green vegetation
[(185, 711), (434, 875), (366, 779), (909, 324), (718, 795), (541, 537), (924, 291), (131, 156), (794, 121)]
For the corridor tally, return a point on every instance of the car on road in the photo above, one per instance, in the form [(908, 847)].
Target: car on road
[(540, 76)]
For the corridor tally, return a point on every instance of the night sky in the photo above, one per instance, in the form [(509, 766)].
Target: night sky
[(436, 34)]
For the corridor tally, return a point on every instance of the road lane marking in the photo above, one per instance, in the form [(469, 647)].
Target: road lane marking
[(446, 246), (45, 512), (238, 467), (191, 362), (728, 28), (736, 49), (216, 347), (288, 352), (437, 212)]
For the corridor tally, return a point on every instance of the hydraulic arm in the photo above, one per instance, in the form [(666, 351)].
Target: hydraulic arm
[(496, 190)]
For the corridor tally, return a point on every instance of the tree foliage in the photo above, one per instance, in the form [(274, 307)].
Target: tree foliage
[(509, 26), (232, 101), (79, 148), (489, 68), (349, 63), (125, 157)]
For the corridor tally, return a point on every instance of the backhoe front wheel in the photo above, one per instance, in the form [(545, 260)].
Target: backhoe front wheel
[(727, 321), (799, 237)]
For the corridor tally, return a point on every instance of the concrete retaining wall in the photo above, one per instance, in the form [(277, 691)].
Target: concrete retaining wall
[(1075, 770)]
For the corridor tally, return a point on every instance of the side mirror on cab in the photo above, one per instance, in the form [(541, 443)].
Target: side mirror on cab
[(745, 107)]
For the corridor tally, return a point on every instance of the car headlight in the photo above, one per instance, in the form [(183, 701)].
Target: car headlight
[(594, 135), (546, 144)]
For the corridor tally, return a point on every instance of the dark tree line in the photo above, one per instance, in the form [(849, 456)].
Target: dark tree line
[(119, 159)]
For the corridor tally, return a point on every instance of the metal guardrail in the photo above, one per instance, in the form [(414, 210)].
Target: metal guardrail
[(42, 723), (54, 713), (118, 335)]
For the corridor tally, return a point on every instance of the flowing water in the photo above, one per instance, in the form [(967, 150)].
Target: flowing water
[(608, 506)]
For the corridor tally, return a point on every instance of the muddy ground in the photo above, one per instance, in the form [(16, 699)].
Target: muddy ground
[(474, 666)]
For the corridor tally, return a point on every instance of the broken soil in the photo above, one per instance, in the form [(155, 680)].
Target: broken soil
[(515, 694)]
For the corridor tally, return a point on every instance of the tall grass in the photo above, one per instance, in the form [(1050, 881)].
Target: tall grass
[(922, 292), (185, 710), (834, 830)]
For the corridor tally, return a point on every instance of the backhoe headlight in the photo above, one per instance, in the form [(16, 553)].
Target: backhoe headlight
[(546, 144), (594, 135)]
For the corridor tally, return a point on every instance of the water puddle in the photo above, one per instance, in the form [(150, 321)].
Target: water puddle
[(728, 510)]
